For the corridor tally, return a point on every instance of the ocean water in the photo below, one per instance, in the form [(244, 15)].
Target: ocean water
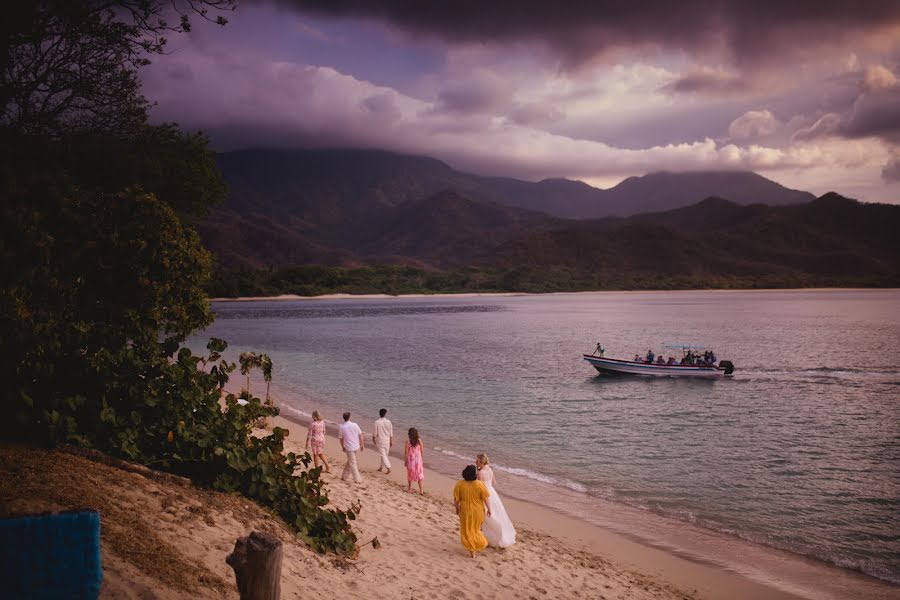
[(799, 451)]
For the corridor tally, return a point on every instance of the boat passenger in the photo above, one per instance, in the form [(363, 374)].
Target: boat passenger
[(650, 356), (671, 361), (660, 360), (637, 358)]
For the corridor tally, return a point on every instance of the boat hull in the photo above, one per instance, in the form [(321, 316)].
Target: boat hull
[(628, 367)]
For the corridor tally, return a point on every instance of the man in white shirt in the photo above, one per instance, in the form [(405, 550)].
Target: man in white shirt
[(383, 437), (351, 438)]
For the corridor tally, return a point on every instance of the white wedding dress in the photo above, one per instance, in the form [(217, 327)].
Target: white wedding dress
[(497, 528)]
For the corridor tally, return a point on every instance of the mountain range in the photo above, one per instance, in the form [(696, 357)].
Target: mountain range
[(352, 208)]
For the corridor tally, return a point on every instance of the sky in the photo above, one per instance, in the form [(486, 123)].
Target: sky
[(804, 93)]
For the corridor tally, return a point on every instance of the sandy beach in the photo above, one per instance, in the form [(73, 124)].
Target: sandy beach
[(365, 296), (295, 297), (162, 540), (562, 555)]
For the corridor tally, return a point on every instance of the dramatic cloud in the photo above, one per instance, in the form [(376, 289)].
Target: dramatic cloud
[(306, 105), (753, 124), (382, 107), (878, 78), (707, 81), (875, 114), (745, 30), (518, 93), (535, 114), (891, 171), (480, 92), (827, 125)]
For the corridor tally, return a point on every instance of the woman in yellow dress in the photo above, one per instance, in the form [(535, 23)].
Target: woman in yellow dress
[(470, 498)]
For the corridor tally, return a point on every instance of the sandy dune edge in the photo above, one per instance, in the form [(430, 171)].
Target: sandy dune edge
[(166, 541)]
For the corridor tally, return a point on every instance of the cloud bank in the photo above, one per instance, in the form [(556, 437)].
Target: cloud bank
[(526, 98)]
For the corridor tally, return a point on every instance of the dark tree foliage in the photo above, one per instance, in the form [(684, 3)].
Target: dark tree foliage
[(72, 64), (178, 167), (103, 274), (94, 286), (99, 292)]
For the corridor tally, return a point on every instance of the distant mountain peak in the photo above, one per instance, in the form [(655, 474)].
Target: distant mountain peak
[(835, 198), (329, 186), (715, 201)]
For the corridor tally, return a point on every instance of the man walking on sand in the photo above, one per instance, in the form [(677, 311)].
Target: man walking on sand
[(384, 440), (351, 438)]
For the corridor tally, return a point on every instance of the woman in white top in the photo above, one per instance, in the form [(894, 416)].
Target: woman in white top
[(497, 527)]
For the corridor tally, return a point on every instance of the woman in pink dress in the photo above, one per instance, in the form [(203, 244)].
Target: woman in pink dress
[(315, 437), (413, 458)]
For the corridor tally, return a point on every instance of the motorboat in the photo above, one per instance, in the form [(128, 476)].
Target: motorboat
[(696, 361)]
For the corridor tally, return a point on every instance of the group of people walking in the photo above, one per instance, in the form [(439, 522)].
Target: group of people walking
[(482, 517), (353, 442)]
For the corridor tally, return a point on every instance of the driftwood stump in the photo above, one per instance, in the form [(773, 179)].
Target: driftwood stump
[(256, 560)]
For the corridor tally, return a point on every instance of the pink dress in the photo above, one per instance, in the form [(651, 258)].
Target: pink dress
[(316, 437), (415, 470)]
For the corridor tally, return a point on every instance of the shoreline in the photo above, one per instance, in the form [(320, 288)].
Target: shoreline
[(693, 566), (166, 540), (811, 572), (707, 581), (295, 297)]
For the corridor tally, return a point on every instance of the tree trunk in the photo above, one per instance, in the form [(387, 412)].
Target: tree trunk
[(256, 561)]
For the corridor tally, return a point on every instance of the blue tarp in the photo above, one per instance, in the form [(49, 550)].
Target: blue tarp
[(51, 557)]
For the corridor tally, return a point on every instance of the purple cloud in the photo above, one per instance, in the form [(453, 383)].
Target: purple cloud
[(891, 171), (827, 125), (481, 92), (875, 114), (748, 31), (287, 78), (535, 114), (708, 81), (382, 106)]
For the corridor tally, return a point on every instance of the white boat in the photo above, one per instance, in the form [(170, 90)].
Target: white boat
[(693, 364)]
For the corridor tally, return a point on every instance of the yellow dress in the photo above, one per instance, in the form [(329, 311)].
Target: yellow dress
[(471, 496)]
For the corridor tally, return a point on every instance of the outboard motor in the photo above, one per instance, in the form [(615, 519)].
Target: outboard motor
[(727, 365)]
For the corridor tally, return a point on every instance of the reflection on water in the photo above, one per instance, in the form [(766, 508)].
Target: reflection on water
[(798, 451)]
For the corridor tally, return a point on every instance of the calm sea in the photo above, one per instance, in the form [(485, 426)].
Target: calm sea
[(800, 451)]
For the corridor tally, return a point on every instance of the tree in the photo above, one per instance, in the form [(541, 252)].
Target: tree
[(95, 287), (103, 280), (71, 65), (177, 167)]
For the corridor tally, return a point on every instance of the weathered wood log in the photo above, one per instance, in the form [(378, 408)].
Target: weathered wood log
[(256, 560)]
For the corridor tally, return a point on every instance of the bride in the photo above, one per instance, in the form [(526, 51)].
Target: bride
[(497, 527)]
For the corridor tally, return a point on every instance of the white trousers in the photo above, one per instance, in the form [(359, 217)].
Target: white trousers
[(383, 450), (350, 468)]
